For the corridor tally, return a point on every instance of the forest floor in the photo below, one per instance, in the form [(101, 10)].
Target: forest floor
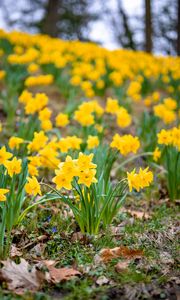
[(146, 266)]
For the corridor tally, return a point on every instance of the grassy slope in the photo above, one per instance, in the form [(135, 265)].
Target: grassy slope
[(154, 276)]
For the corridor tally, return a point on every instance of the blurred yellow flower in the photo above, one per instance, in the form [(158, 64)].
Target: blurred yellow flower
[(156, 154), (4, 155), (13, 166), (62, 120), (15, 142), (139, 180), (32, 187), (2, 194), (92, 142)]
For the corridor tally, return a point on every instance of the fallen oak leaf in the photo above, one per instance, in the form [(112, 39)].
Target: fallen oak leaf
[(57, 275), (62, 274), (20, 278), (128, 252), (107, 254), (138, 214)]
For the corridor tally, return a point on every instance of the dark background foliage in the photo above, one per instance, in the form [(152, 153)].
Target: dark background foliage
[(158, 26)]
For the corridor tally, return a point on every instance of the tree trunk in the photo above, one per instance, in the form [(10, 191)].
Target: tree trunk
[(51, 18), (130, 43), (178, 29), (148, 27)]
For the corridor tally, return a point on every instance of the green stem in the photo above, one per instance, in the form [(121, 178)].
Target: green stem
[(8, 243), (21, 217), (133, 158), (176, 173), (2, 232)]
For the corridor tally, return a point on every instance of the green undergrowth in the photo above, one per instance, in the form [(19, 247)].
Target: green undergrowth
[(154, 236)]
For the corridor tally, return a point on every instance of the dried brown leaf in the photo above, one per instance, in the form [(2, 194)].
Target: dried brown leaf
[(138, 214), (57, 275), (108, 254), (62, 274), (20, 278)]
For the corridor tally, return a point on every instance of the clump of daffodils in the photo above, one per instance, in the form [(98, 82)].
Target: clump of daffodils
[(170, 137), (123, 117), (69, 142), (166, 110), (169, 143), (139, 180), (33, 104), (134, 90), (125, 144), (86, 112), (39, 80), (44, 117), (81, 168)]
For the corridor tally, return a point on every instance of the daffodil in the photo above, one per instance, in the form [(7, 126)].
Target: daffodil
[(25, 97), (62, 180), (45, 114), (2, 194), (92, 142), (38, 141), (69, 167), (170, 103), (32, 187), (156, 154), (4, 155), (84, 162), (32, 170), (62, 120), (87, 177), (164, 137), (126, 143), (39, 80), (15, 142), (13, 166), (139, 180), (112, 106), (123, 118)]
